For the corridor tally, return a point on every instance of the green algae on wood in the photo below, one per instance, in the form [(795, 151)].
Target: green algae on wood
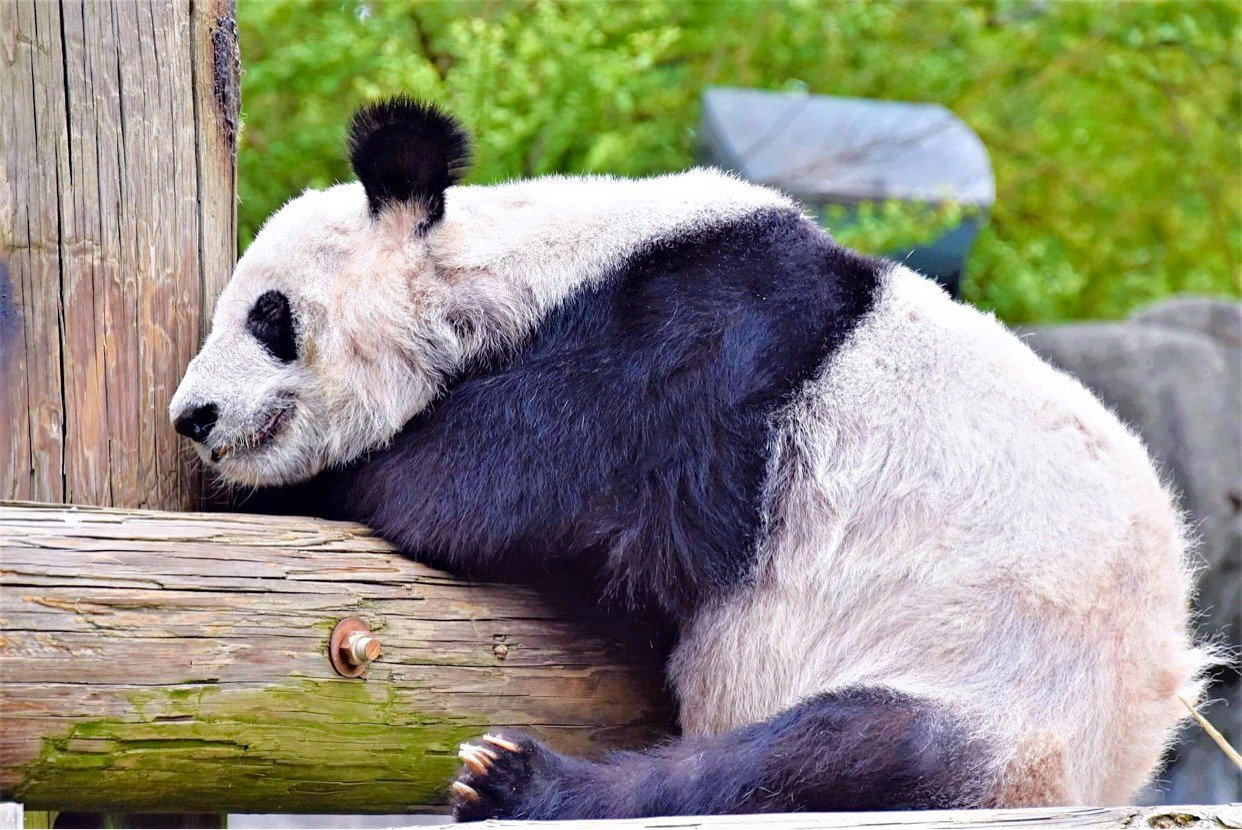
[(362, 752)]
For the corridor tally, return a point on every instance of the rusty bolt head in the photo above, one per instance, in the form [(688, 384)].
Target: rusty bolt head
[(353, 647)]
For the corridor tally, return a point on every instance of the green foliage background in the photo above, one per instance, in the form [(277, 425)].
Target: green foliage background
[(1113, 128)]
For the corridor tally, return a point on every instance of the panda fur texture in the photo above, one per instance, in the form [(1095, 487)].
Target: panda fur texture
[(910, 565)]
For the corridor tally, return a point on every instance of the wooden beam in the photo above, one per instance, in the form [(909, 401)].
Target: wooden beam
[(119, 123), (155, 661), (1053, 818)]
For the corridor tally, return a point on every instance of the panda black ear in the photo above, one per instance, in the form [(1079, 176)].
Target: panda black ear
[(406, 151)]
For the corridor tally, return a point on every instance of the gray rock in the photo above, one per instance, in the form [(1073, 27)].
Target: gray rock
[(1174, 374), (1219, 319), (825, 149)]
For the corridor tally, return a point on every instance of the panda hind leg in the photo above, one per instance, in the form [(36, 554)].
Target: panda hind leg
[(857, 749)]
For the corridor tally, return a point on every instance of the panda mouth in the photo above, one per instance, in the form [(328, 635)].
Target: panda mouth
[(268, 430)]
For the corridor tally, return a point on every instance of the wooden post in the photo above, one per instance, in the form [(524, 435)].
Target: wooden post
[(117, 230), (155, 661), (118, 147)]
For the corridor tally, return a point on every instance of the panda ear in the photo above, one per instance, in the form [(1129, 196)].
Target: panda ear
[(406, 151)]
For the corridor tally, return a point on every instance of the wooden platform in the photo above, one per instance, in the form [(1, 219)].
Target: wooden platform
[(1219, 816), (1222, 816)]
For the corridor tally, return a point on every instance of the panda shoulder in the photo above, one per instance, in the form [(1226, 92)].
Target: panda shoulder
[(604, 213), (692, 191), (712, 183)]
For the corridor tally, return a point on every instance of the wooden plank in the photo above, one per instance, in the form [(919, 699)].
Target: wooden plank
[(157, 660), (117, 200), (11, 816), (1181, 816)]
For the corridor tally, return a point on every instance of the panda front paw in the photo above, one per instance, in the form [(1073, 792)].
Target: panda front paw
[(500, 775)]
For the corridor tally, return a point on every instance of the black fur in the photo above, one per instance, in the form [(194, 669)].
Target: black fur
[(405, 151), (631, 436), (271, 322), (859, 749)]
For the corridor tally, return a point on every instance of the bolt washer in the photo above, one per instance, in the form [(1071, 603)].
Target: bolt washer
[(338, 647)]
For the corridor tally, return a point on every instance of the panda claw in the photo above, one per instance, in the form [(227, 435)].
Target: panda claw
[(475, 759), (503, 743), (465, 791), (502, 773)]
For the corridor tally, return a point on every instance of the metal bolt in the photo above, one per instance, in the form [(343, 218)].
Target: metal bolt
[(353, 647), (361, 648)]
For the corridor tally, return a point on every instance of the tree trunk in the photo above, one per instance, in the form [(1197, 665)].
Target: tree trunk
[(156, 661), (117, 230)]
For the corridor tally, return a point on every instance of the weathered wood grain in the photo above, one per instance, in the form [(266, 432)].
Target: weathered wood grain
[(117, 202), (152, 661), (1211, 816)]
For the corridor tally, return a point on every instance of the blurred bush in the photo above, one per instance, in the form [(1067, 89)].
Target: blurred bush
[(1113, 127)]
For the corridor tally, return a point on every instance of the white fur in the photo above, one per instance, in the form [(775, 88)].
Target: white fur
[(955, 519)]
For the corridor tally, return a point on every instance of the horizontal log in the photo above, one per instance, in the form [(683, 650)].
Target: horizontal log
[(1060, 818), (178, 661)]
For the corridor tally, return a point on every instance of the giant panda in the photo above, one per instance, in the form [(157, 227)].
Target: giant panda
[(909, 565)]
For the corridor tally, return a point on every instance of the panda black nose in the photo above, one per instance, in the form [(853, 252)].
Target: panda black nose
[(197, 423)]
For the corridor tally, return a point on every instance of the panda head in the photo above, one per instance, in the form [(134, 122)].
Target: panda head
[(331, 333)]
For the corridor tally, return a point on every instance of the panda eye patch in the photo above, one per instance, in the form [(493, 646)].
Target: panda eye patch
[(271, 323)]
